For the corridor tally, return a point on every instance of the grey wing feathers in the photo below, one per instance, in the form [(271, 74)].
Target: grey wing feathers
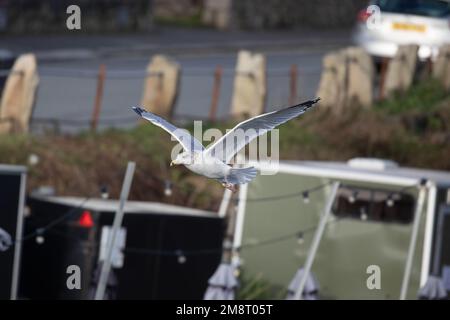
[(188, 142), (226, 147)]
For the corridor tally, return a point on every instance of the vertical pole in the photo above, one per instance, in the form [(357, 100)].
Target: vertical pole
[(293, 84), (429, 66), (215, 93), (413, 242), (239, 227), (106, 266), (383, 71), (18, 242), (316, 240), (428, 237), (98, 97), (438, 242), (225, 203)]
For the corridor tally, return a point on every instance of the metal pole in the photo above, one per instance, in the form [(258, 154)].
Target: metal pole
[(18, 242), (429, 66), (428, 237), (116, 225), (383, 72), (225, 203), (316, 241), (413, 242), (293, 85), (98, 97), (215, 93), (240, 216)]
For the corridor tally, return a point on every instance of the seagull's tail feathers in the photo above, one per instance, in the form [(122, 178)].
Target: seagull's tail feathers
[(241, 176)]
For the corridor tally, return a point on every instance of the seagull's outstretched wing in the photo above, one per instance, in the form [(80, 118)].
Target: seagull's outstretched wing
[(188, 142), (226, 147)]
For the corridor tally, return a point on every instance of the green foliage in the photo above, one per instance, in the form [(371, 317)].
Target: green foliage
[(423, 96), (253, 288)]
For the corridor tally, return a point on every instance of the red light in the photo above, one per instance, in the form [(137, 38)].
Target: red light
[(363, 15), (85, 220)]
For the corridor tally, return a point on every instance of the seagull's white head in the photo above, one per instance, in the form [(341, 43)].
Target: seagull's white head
[(184, 158)]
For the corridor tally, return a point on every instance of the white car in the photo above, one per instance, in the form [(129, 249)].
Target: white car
[(399, 22)]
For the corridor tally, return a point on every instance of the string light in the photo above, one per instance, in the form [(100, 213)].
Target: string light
[(390, 201), (104, 192), (363, 214), (181, 255), (38, 233), (305, 196), (181, 258), (300, 238), (167, 188), (353, 196), (40, 236)]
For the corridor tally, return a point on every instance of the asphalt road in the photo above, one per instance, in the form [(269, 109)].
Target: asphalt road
[(68, 71)]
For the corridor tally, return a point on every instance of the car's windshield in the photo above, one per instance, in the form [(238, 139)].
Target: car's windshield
[(430, 8)]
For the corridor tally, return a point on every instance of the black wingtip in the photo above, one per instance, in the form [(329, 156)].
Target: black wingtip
[(308, 104), (311, 103), (138, 110)]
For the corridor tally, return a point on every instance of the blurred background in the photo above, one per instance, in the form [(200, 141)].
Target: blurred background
[(71, 70)]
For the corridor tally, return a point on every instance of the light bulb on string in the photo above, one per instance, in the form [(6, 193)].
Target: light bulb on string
[(353, 196), (167, 188), (305, 196), (300, 238), (181, 258), (104, 192), (40, 236), (363, 214), (390, 201)]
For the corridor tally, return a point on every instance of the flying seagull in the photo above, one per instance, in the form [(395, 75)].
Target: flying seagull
[(213, 161)]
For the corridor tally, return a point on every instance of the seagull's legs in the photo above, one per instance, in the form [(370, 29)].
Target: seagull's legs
[(229, 186)]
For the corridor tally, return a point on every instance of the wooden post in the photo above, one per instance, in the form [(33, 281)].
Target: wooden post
[(429, 67), (215, 93), (293, 85), (19, 95), (383, 70), (250, 91), (98, 97)]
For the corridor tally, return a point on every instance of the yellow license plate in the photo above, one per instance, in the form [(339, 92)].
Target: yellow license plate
[(409, 27)]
